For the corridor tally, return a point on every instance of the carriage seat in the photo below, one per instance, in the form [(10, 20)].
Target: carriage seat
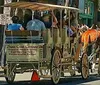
[(23, 37)]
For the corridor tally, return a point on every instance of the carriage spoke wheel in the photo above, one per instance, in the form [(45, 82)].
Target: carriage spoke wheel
[(55, 68), (11, 76), (84, 66), (99, 65)]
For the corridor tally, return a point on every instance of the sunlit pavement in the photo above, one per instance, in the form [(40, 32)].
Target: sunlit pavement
[(24, 79)]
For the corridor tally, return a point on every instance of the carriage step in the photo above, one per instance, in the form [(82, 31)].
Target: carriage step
[(46, 76)]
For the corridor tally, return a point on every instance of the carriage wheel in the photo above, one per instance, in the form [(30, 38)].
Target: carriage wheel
[(11, 76), (55, 68), (99, 65), (84, 66)]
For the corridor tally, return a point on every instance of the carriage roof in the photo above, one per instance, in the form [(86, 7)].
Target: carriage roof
[(37, 6)]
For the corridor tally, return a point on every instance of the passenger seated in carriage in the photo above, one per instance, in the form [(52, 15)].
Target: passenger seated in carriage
[(73, 24), (73, 28), (48, 21), (37, 25), (73, 21), (15, 26), (68, 28)]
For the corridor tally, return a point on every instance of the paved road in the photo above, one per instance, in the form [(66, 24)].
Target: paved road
[(24, 79)]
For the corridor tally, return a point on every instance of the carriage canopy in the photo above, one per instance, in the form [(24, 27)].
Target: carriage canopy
[(37, 6)]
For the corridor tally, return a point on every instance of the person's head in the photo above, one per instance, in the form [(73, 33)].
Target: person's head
[(46, 18), (66, 21), (15, 19), (37, 15)]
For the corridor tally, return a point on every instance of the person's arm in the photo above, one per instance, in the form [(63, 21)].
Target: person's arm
[(22, 29), (55, 21), (73, 28), (8, 27)]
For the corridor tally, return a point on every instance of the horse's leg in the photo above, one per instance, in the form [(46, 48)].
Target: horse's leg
[(94, 58), (94, 47)]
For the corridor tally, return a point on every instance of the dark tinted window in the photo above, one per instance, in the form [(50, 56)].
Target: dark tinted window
[(1, 3)]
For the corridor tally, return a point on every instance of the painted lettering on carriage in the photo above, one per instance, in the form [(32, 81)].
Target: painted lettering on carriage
[(22, 50), (17, 46)]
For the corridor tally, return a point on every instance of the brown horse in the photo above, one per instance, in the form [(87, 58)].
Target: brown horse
[(89, 36)]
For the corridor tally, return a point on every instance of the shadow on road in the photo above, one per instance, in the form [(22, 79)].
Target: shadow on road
[(77, 80)]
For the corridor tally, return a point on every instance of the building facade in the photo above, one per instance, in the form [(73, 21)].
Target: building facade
[(98, 14), (86, 14)]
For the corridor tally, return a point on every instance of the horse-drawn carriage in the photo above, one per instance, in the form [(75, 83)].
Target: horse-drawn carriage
[(54, 54)]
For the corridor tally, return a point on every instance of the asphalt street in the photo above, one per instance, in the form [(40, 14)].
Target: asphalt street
[(24, 79)]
